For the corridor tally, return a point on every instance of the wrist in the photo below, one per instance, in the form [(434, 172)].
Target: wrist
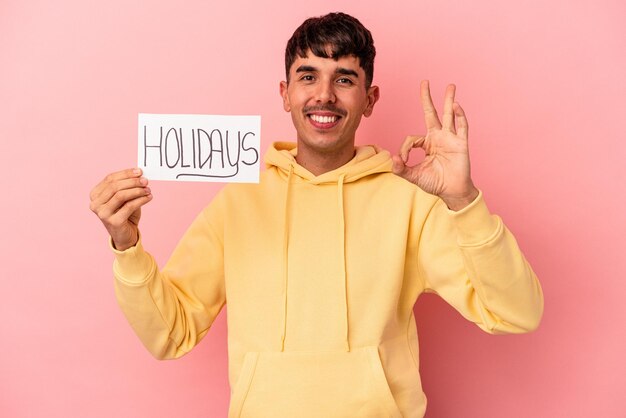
[(124, 244), (457, 203)]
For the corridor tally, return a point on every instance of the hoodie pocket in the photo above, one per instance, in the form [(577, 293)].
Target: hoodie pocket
[(313, 384)]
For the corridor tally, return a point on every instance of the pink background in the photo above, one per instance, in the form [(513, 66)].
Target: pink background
[(543, 86)]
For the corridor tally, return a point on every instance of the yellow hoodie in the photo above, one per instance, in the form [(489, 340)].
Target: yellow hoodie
[(320, 275)]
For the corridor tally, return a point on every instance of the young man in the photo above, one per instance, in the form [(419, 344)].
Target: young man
[(321, 262)]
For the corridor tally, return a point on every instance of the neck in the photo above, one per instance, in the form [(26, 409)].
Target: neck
[(319, 163)]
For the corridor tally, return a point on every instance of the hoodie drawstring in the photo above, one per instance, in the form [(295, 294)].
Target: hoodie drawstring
[(368, 161), (342, 232), (286, 257)]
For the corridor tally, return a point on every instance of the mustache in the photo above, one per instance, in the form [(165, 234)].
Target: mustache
[(325, 108)]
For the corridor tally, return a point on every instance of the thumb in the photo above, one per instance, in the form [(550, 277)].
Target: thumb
[(399, 168)]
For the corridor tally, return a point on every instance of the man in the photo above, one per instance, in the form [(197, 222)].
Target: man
[(321, 262)]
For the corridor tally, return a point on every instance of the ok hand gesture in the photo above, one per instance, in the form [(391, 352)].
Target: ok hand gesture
[(445, 169)]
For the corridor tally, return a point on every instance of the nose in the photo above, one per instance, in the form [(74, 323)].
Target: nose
[(325, 92)]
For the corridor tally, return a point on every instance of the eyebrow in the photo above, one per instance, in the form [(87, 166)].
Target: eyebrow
[(347, 71), (305, 69), (340, 70)]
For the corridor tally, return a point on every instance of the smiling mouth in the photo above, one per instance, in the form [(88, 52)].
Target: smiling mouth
[(324, 119), (323, 122), (324, 116)]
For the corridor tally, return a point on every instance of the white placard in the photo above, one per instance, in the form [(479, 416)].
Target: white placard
[(214, 148)]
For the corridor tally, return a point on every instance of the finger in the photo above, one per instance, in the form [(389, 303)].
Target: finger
[(430, 114), (397, 164), (118, 200), (110, 189), (411, 141), (113, 177), (448, 113), (461, 121), (129, 208), (399, 167)]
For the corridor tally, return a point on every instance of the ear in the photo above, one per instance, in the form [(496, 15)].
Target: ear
[(285, 96), (373, 94)]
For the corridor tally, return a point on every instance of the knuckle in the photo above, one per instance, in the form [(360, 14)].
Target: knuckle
[(117, 198), (115, 187), (102, 216)]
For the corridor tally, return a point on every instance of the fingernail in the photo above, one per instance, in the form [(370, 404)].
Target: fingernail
[(136, 171), (148, 190), (143, 181)]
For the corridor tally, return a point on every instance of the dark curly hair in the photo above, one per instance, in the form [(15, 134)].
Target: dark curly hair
[(337, 34)]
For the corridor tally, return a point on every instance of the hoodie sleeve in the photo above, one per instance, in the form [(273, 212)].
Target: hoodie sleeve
[(473, 262), (172, 309)]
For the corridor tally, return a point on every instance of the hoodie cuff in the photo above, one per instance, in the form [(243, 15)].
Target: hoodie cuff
[(132, 266), (475, 225)]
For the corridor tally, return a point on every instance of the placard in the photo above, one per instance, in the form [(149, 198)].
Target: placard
[(213, 148)]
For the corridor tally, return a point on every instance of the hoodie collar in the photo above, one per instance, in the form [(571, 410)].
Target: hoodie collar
[(367, 160)]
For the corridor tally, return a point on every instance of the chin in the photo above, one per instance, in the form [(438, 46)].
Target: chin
[(323, 144)]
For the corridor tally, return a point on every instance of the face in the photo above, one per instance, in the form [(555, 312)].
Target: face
[(326, 99)]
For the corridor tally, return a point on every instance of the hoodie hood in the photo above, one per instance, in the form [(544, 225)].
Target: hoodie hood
[(367, 160)]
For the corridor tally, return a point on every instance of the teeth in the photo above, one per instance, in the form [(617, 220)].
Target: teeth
[(323, 119)]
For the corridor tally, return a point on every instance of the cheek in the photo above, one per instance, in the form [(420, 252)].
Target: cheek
[(356, 103)]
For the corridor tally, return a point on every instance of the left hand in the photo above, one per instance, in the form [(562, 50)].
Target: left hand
[(445, 170)]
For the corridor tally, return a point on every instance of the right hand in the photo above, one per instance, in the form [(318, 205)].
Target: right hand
[(117, 201)]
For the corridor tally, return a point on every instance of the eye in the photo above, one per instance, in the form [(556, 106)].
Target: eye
[(345, 80), (307, 77)]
